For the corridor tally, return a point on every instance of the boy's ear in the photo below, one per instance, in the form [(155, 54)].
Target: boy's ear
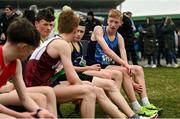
[(36, 24), (22, 46)]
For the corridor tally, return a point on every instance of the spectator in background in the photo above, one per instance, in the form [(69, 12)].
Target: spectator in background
[(168, 33), (150, 42), (178, 33), (19, 13), (2, 36), (7, 18), (160, 38), (34, 8), (90, 23), (30, 15), (127, 31), (51, 9)]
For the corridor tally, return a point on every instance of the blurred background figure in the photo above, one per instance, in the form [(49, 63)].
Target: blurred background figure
[(168, 30), (150, 42), (31, 13), (6, 18), (90, 23), (34, 8), (127, 31), (160, 38)]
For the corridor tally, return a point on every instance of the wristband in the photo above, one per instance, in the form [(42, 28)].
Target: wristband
[(37, 112)]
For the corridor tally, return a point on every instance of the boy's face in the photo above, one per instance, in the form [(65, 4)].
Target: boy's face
[(114, 24), (7, 11), (44, 27), (80, 33), (24, 50)]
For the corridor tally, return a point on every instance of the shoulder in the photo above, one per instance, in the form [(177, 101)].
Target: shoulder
[(59, 44), (98, 29), (119, 36)]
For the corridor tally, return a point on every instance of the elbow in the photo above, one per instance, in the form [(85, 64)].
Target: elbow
[(23, 101), (71, 80)]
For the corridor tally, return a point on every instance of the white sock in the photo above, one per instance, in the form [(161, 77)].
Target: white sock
[(145, 101), (136, 105)]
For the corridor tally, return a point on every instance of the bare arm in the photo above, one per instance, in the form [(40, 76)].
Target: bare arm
[(122, 48), (24, 98), (60, 48), (7, 111), (95, 67), (7, 88), (21, 89), (98, 34)]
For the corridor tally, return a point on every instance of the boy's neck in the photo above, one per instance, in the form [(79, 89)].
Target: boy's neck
[(65, 37), (8, 53), (110, 33)]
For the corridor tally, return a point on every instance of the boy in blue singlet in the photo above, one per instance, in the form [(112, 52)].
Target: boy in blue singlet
[(108, 40)]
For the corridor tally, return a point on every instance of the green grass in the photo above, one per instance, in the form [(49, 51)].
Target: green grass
[(163, 86)]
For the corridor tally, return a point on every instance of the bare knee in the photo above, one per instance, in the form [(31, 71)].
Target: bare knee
[(110, 85), (40, 99), (100, 93), (117, 75), (139, 70), (89, 92), (49, 93), (124, 70)]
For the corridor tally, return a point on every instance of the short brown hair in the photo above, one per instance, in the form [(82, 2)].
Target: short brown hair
[(45, 14), (67, 21), (22, 31), (115, 14)]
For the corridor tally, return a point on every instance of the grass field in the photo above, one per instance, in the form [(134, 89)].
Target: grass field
[(163, 86)]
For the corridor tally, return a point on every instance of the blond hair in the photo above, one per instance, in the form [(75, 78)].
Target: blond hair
[(113, 13), (168, 20)]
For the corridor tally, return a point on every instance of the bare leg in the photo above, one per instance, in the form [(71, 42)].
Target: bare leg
[(127, 82), (4, 116), (107, 105), (42, 93), (139, 78), (115, 75), (107, 74), (66, 93), (50, 96), (13, 99), (114, 94)]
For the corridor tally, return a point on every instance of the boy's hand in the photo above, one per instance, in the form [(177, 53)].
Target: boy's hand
[(137, 87), (28, 115), (128, 68), (45, 114), (95, 67)]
